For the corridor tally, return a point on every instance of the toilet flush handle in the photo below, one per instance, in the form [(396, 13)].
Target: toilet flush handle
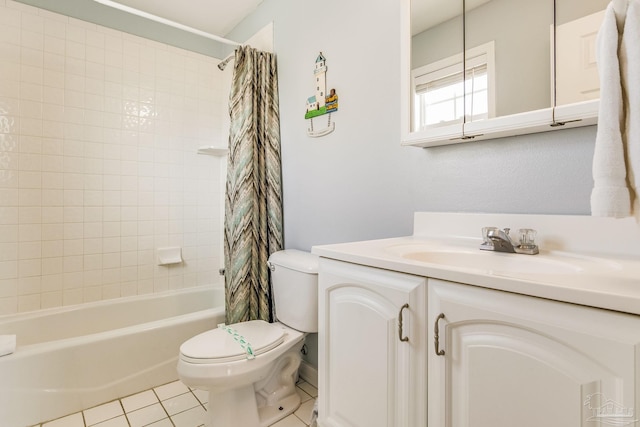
[(271, 266)]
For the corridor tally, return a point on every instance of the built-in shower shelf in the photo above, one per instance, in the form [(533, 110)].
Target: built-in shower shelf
[(212, 150)]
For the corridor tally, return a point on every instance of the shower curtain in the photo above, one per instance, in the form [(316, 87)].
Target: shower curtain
[(253, 205)]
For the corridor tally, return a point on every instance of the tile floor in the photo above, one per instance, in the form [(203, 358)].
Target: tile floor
[(170, 405)]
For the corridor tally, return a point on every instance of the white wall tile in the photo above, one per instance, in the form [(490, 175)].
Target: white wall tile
[(52, 283), (29, 302), (29, 250), (51, 299), (73, 211), (30, 214), (93, 246), (9, 233), (52, 266), (8, 251), (29, 267), (52, 248), (72, 264), (96, 158), (72, 297)]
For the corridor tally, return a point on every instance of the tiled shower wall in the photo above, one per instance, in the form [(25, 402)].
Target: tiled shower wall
[(99, 133)]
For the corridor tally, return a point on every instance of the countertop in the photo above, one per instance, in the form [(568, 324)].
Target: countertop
[(610, 281)]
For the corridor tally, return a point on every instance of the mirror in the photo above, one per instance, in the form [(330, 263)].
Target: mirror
[(578, 22), (508, 58), (437, 63), (508, 86)]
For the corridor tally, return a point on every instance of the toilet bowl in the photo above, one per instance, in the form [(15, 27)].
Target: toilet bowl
[(250, 368)]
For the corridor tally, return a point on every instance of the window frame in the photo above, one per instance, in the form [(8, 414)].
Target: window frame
[(474, 57)]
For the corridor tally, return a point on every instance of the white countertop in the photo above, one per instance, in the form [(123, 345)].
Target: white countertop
[(606, 278)]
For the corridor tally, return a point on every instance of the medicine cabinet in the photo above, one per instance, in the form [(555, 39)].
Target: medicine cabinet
[(481, 69)]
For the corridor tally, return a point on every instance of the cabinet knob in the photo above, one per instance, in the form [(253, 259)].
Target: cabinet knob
[(436, 335), (400, 333)]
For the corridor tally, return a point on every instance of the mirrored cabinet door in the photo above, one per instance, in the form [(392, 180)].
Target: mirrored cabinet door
[(437, 77), (482, 69), (577, 25), (508, 57)]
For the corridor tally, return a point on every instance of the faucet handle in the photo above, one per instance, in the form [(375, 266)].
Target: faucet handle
[(527, 241), (527, 237), (487, 244)]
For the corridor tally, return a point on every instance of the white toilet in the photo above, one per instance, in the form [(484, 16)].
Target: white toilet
[(250, 368)]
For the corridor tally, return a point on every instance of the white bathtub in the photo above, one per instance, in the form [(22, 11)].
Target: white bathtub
[(72, 358)]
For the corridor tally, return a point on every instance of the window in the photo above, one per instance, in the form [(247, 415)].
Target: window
[(441, 91)]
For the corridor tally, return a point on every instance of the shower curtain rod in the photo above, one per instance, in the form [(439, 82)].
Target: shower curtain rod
[(164, 21), (223, 64)]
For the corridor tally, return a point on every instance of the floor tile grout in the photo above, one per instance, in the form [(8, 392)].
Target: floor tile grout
[(163, 408), (305, 395)]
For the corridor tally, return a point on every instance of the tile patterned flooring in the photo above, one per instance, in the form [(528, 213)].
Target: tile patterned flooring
[(170, 405)]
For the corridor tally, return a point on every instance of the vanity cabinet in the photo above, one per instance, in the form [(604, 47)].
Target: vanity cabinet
[(372, 359), (483, 357), (509, 359)]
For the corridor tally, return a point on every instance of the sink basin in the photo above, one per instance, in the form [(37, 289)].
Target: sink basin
[(495, 262), (464, 254)]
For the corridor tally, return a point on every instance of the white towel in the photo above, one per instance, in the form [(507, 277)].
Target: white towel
[(620, 8), (610, 196), (630, 70), (7, 344)]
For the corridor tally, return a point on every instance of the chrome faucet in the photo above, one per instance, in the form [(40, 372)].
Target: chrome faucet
[(500, 241)]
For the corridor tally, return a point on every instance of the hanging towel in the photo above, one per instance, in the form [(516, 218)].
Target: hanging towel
[(7, 344), (630, 70), (620, 8), (610, 196)]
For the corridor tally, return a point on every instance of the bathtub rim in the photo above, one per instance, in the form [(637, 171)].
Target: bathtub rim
[(8, 318)]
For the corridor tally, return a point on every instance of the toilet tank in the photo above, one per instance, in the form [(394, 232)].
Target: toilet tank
[(294, 282)]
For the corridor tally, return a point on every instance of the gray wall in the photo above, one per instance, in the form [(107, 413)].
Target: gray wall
[(358, 183)]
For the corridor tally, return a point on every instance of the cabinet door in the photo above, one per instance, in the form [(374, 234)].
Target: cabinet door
[(512, 360), (368, 376)]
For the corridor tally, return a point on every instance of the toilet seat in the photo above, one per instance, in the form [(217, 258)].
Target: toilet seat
[(218, 346)]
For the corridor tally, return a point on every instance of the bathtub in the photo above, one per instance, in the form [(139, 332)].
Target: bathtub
[(72, 358)]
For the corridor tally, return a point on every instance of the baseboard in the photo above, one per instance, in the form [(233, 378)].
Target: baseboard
[(309, 373)]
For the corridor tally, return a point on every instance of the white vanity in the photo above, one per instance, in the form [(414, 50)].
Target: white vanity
[(430, 330)]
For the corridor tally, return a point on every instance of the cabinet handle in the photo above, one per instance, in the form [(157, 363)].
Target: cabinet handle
[(403, 339), (436, 336)]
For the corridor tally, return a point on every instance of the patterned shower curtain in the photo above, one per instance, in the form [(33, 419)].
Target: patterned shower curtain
[(253, 206)]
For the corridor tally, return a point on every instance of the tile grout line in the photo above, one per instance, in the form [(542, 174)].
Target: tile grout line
[(196, 396), (163, 408), (169, 417), (124, 412)]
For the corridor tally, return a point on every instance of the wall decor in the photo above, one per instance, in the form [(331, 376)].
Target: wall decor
[(321, 103)]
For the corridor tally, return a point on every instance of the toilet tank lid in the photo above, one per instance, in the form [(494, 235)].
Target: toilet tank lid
[(294, 259)]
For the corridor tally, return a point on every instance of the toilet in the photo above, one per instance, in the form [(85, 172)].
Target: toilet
[(250, 368)]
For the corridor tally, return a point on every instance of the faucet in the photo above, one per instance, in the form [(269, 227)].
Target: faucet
[(500, 241)]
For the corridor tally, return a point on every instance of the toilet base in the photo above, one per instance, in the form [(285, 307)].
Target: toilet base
[(236, 409), (272, 414), (260, 404), (233, 408)]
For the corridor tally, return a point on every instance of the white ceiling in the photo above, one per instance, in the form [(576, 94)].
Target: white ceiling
[(216, 17)]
